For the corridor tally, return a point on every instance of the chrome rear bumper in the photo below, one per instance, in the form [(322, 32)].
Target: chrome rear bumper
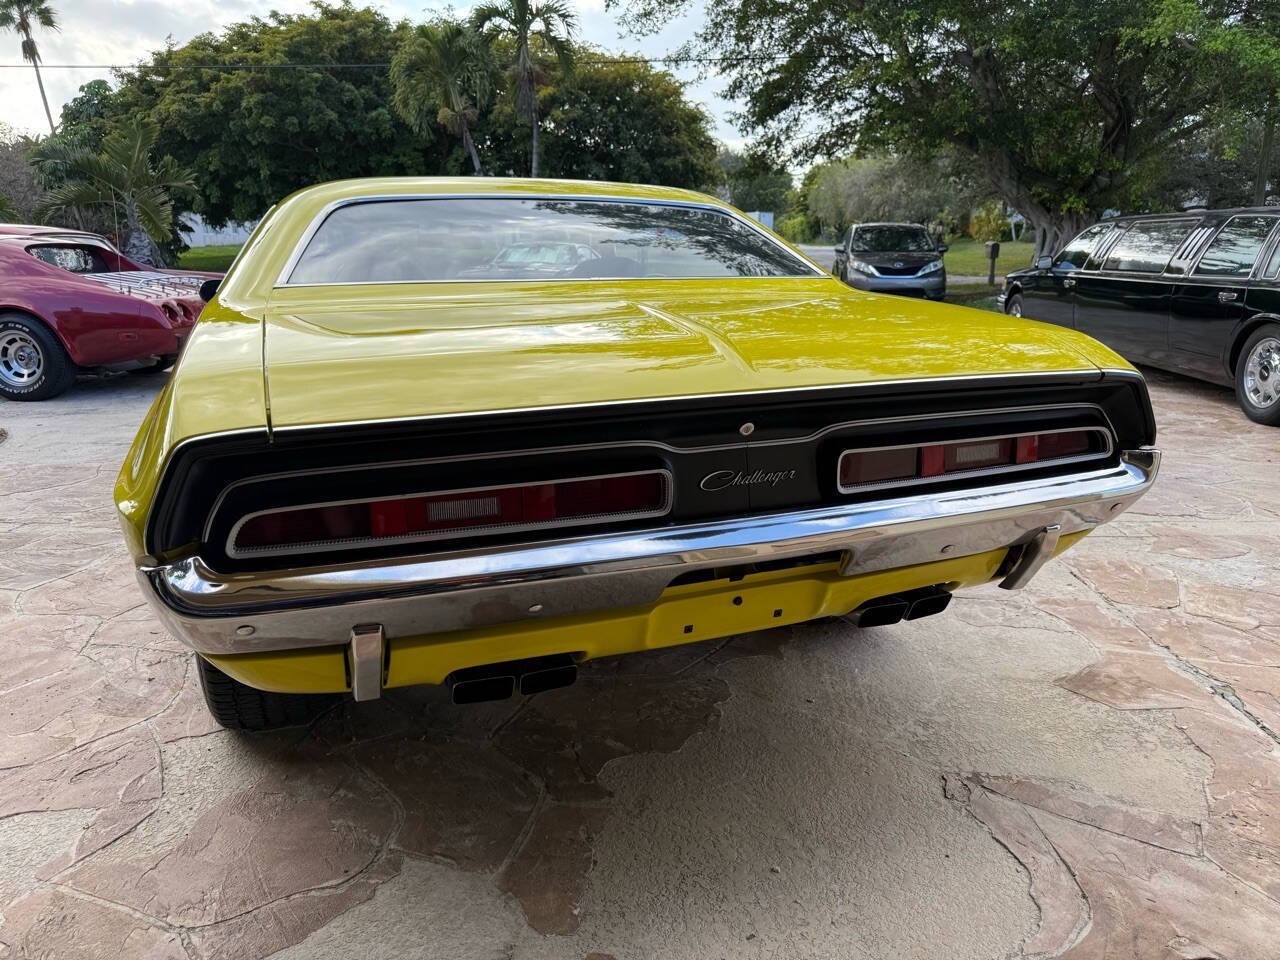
[(278, 610)]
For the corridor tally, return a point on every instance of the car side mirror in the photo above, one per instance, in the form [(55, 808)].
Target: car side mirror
[(1044, 262), (209, 288), (943, 248), (839, 249)]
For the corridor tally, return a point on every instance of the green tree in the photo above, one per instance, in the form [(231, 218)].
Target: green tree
[(884, 186), (18, 180), (989, 222), (755, 181), (125, 179), (442, 63), (1063, 106), (8, 212), (611, 118), (252, 136), (1243, 36), (526, 22), (22, 17)]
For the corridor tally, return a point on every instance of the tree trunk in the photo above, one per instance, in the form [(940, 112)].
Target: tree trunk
[(533, 113), (1052, 232), (139, 246), (1264, 156), (470, 145), (44, 98)]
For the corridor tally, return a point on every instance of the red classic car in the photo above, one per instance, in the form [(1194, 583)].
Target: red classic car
[(70, 301)]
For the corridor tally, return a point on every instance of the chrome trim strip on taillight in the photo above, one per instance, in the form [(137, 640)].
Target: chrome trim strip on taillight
[(424, 536), (1108, 448)]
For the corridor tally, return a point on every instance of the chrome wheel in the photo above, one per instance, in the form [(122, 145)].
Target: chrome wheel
[(21, 359), (1262, 373), (1015, 310)]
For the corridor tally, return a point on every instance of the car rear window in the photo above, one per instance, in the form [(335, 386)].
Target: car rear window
[(72, 258), (1147, 245), (519, 238), (1237, 245)]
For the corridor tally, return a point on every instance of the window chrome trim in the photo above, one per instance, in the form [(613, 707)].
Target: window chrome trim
[(357, 543), (283, 282), (1109, 447)]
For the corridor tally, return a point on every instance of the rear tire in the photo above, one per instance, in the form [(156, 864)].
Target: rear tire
[(34, 365), (238, 706), (1013, 306), (1258, 376)]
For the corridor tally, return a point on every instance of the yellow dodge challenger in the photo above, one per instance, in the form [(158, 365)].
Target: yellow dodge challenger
[(474, 432)]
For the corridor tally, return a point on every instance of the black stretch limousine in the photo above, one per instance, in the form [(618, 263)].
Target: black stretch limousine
[(1196, 293)]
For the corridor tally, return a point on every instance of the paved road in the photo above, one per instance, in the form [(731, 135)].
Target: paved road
[(1086, 768)]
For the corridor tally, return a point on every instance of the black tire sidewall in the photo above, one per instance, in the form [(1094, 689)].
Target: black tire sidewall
[(58, 371), (1268, 416), (1008, 304)]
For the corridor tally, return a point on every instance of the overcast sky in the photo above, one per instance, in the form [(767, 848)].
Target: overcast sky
[(122, 31)]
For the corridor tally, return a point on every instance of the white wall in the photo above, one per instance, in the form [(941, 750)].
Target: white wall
[(203, 235)]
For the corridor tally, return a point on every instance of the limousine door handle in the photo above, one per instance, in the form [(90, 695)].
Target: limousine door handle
[(1226, 296), (1069, 283)]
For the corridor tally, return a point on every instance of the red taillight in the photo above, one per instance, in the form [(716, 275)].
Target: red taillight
[(428, 516), (861, 469)]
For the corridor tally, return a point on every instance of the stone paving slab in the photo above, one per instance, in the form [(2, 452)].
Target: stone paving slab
[(1087, 769)]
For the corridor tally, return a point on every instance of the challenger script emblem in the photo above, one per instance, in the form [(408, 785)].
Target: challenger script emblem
[(723, 479)]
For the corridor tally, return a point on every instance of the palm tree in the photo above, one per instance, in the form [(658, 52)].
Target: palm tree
[(125, 178), (552, 22), (447, 63), (21, 16)]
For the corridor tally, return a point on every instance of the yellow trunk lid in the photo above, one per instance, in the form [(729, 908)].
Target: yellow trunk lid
[(387, 351)]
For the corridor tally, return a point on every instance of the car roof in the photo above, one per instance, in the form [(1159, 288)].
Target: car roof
[(888, 223), (54, 236), (1219, 213), (33, 229), (408, 187)]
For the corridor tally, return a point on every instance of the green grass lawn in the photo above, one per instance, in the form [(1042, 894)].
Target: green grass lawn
[(209, 258), (968, 258)]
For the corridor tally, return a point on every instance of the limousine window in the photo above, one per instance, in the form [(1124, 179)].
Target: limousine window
[(1273, 264), (1236, 247), (505, 238), (1147, 245), (1078, 250)]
